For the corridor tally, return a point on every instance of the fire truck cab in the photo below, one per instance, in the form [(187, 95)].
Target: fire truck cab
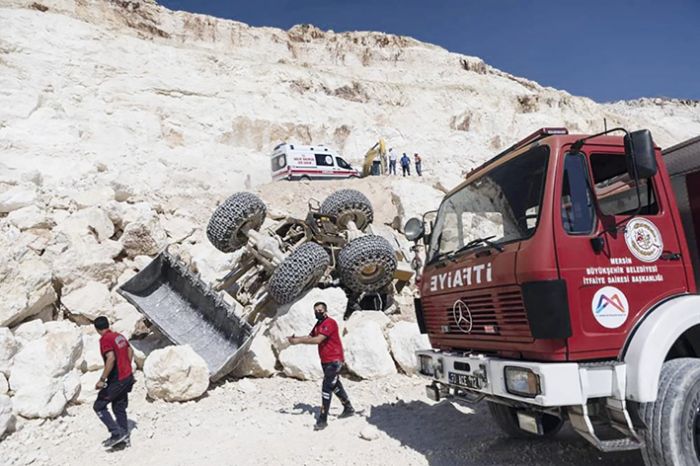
[(560, 284)]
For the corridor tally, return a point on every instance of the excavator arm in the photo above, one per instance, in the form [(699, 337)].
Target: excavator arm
[(379, 149)]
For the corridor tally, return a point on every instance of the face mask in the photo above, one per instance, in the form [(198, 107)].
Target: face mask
[(320, 315)]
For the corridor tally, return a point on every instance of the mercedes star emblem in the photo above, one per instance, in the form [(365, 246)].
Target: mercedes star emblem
[(462, 316)]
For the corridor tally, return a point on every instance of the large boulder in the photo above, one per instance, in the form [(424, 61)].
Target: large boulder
[(259, 360), (176, 373), (85, 222), (97, 196), (91, 357), (404, 340), (26, 288), (125, 318), (301, 362), (143, 347), (366, 350), (87, 387), (43, 376), (144, 236), (413, 199), (298, 318), (16, 198), (4, 385), (211, 263), (78, 261), (8, 348), (29, 331), (6, 417), (89, 301), (30, 217)]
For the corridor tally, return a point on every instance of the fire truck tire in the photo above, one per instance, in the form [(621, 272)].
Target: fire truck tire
[(349, 204), (672, 436), (367, 264), (300, 271), (227, 224), (506, 418)]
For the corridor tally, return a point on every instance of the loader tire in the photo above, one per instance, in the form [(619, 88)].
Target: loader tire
[(349, 204), (237, 213), (507, 419), (299, 272), (367, 264), (672, 436)]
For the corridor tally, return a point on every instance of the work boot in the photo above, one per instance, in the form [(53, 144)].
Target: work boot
[(320, 424), (116, 440), (348, 411)]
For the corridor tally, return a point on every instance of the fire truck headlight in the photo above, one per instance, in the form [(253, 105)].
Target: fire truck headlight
[(522, 382), (426, 365)]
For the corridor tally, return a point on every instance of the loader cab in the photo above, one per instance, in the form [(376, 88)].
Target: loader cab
[(294, 162), (553, 250)]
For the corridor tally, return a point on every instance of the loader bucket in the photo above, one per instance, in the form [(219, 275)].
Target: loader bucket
[(188, 312)]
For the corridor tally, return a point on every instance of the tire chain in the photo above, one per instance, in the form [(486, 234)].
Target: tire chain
[(364, 251), (345, 200), (301, 270), (230, 216)]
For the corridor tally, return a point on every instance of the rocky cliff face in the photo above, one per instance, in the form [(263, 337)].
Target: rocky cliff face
[(179, 104)]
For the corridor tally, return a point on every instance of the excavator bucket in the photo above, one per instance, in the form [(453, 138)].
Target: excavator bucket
[(188, 312)]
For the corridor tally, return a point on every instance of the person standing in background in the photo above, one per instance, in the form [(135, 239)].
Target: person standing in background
[(392, 162), (417, 160), (405, 165)]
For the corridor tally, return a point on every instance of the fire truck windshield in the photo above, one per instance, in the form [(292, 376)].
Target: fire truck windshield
[(503, 203)]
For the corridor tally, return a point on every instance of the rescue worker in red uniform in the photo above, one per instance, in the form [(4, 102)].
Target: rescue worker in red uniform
[(325, 334), (115, 383)]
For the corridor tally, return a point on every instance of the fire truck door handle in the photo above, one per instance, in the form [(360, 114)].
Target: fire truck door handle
[(671, 256)]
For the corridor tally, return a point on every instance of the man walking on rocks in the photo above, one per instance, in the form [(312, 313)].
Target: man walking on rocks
[(115, 383), (325, 334)]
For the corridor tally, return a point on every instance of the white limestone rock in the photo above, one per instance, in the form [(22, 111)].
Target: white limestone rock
[(211, 263), (404, 340), (125, 319), (143, 347), (17, 197), (413, 199), (83, 260), (88, 393), (92, 197), (359, 318), (30, 217), (91, 357), (4, 385), (42, 375), (176, 373), (144, 236), (298, 318), (6, 416), (259, 360), (366, 350), (301, 362), (29, 331), (89, 301), (8, 348), (26, 289), (92, 221)]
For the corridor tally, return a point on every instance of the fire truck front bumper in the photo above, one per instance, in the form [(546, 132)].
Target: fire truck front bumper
[(469, 375)]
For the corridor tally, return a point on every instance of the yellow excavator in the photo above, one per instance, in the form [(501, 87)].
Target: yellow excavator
[(375, 162)]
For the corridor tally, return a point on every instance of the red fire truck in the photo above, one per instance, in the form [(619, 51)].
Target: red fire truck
[(560, 284)]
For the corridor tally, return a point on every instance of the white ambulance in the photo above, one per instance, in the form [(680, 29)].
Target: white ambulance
[(297, 162)]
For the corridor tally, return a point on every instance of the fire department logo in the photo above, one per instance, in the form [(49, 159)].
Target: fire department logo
[(610, 307), (643, 240), (462, 316)]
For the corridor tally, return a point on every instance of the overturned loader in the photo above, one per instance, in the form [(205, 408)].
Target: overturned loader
[(333, 246)]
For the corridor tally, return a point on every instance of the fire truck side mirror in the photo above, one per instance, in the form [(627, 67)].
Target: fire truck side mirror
[(639, 148), (414, 230)]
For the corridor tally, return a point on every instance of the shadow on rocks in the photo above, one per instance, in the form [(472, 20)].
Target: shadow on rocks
[(446, 435)]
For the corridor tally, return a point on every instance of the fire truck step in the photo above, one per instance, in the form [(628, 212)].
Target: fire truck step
[(581, 422)]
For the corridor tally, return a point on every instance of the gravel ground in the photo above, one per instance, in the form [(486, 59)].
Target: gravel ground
[(270, 421)]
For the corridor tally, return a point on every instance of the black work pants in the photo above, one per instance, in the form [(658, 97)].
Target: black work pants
[(116, 393), (331, 385)]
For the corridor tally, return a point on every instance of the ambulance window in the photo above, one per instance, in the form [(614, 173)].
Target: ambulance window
[(615, 190), (324, 160), (279, 162), (342, 163), (577, 213)]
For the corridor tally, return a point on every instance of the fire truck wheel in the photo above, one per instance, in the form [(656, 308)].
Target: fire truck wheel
[(349, 204), (507, 419), (229, 222), (367, 264), (672, 436), (300, 271)]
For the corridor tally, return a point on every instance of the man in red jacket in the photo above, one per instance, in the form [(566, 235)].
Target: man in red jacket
[(325, 334), (115, 382)]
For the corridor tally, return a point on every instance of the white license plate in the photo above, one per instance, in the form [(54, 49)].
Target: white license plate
[(465, 380)]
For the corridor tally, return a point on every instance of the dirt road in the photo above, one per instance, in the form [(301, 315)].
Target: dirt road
[(270, 422)]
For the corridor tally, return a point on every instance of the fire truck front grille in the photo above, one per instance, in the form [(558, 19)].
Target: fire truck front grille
[(482, 314)]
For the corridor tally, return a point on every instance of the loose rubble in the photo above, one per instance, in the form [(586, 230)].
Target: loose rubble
[(175, 373)]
